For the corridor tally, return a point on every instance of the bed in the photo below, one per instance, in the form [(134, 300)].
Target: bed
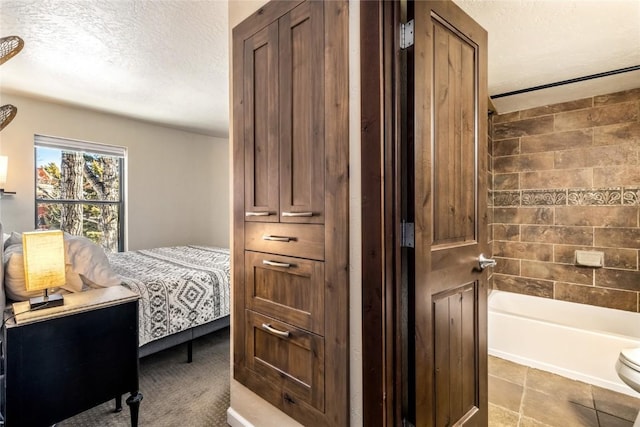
[(184, 292)]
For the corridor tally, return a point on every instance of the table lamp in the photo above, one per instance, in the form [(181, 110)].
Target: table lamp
[(44, 266)]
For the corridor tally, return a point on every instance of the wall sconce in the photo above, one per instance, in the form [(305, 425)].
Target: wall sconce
[(4, 163), (44, 266)]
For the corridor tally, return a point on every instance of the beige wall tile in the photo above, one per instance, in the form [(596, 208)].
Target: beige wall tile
[(525, 162), (616, 175), (597, 216), (523, 285), (608, 155), (626, 133), (556, 272), (618, 279), (506, 147), (506, 181), (525, 127), (508, 117), (602, 297), (617, 237), (522, 250), (613, 98), (523, 215), (556, 141), (597, 116), (506, 232), (557, 108), (507, 266), (557, 234), (579, 178)]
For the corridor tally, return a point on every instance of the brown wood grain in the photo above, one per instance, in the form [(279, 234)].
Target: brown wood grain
[(305, 242), (451, 219), (302, 113), (306, 374), (261, 124), (293, 294)]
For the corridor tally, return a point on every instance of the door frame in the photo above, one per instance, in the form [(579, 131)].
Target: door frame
[(380, 129)]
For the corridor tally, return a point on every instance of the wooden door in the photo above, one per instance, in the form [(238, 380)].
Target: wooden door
[(261, 125), (450, 204), (302, 114)]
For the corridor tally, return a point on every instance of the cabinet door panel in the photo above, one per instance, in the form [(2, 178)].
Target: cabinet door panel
[(302, 114), (261, 125), (286, 288), (295, 362)]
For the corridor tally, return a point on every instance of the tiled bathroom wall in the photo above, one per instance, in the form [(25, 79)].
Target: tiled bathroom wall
[(566, 177)]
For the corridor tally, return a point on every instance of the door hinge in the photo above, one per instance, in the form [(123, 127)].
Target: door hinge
[(407, 235), (406, 35)]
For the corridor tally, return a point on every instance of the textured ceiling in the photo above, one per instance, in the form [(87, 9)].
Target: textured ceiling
[(160, 60), (166, 61)]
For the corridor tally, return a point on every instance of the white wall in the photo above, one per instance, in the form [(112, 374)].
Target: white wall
[(177, 182), (246, 407)]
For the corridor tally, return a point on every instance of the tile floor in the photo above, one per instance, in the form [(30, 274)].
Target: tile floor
[(520, 396)]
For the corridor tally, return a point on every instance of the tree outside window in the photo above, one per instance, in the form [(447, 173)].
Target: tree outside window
[(80, 191)]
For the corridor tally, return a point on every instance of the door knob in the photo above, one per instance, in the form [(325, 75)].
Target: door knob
[(486, 262)]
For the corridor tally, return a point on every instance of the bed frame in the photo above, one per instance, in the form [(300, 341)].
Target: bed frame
[(184, 336)]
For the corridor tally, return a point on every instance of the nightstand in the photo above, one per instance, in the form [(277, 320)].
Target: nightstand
[(63, 360)]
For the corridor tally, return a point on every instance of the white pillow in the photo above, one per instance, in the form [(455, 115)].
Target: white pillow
[(90, 262), (14, 238)]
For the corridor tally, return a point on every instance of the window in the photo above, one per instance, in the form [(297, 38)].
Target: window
[(79, 189)]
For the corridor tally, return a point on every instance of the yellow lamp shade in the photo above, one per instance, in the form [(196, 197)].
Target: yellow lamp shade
[(43, 259)]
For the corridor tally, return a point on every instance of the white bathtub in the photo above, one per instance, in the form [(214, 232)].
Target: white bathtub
[(577, 341)]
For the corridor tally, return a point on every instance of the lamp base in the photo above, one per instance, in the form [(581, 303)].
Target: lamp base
[(46, 301)]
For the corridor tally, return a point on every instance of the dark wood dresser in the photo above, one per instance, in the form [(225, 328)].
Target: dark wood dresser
[(291, 208), (64, 360)]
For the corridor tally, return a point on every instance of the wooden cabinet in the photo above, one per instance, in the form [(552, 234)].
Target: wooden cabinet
[(291, 208)]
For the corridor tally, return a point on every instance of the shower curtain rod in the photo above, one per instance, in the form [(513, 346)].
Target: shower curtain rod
[(564, 82)]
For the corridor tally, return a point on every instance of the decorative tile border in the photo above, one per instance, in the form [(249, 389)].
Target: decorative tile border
[(506, 198), (629, 196), (544, 197), (595, 197)]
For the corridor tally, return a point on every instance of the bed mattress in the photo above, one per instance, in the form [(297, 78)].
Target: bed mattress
[(180, 287)]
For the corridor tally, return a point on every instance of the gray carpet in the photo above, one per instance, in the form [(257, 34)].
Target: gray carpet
[(176, 393)]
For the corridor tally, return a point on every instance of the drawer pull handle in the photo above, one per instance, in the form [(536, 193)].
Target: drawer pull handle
[(276, 238), (284, 334), (276, 264), (257, 213), (297, 214)]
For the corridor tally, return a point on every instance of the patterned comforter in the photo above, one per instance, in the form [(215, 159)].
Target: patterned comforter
[(180, 287)]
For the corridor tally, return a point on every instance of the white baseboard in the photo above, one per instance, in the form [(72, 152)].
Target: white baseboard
[(234, 419)]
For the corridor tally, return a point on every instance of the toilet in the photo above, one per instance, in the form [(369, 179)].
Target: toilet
[(628, 369)]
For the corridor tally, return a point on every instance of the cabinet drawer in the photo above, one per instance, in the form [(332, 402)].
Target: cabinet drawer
[(288, 289), (303, 241), (287, 356)]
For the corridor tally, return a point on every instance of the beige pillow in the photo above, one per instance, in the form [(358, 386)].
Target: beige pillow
[(90, 262)]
